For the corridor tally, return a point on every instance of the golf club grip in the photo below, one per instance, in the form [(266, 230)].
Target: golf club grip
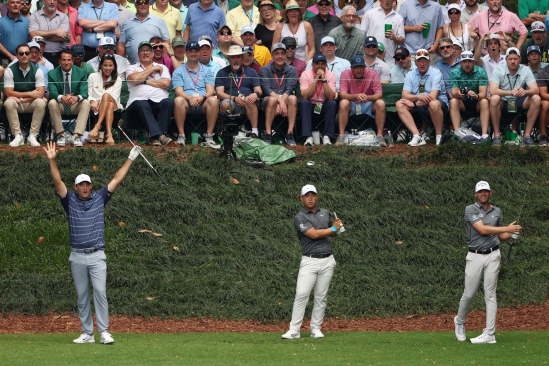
[(509, 253)]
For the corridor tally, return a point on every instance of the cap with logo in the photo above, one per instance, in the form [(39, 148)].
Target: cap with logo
[(308, 188), (381, 46), (39, 39), (482, 185), (234, 51), (247, 29), (205, 37), (533, 48), (193, 46), (204, 43), (454, 6), (357, 61), (178, 41), (512, 50), (538, 26), (248, 49), (84, 178), (402, 52), (224, 27), (494, 36), (278, 46), (467, 55), (422, 53), (319, 57), (370, 41), (106, 41), (327, 39), (145, 43), (77, 48)]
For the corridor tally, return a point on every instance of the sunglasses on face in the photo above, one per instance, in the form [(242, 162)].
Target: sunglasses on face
[(352, 2), (108, 47), (147, 50), (26, 3), (106, 55), (158, 47), (400, 58), (372, 46), (26, 53), (78, 55), (143, 2), (291, 47), (453, 12), (442, 48), (225, 33), (323, 4)]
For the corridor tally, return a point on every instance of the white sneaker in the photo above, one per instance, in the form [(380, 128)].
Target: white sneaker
[(460, 331), (181, 139), (19, 140), (61, 140), (77, 142), (416, 141), (209, 139), (31, 140), (291, 334), (326, 140), (106, 338), (484, 338), (84, 338), (438, 139), (316, 333), (309, 141)]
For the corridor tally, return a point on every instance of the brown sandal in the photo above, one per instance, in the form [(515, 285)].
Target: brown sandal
[(94, 133), (110, 140)]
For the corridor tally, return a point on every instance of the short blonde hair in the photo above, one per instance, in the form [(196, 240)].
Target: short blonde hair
[(276, 16)]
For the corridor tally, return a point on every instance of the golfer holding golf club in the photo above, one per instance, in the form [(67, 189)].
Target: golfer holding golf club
[(317, 263), (86, 226), (485, 230)]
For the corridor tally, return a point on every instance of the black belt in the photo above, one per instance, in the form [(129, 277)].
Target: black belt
[(86, 251), (319, 256), (487, 251), (52, 54)]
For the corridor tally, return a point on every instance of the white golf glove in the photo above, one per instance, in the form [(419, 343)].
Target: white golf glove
[(134, 153), (514, 236)]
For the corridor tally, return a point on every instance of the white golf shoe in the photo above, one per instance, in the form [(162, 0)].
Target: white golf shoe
[(291, 334), (106, 338), (460, 331), (484, 338), (84, 338), (19, 140), (316, 333), (309, 141), (31, 140), (416, 141)]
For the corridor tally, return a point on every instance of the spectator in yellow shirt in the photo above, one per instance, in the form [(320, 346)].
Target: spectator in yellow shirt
[(261, 53)]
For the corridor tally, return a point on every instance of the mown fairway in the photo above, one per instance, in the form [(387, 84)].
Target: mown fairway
[(230, 251)]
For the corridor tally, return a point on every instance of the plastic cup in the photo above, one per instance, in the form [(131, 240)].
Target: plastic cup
[(195, 136), (514, 137), (426, 30), (508, 136), (388, 27)]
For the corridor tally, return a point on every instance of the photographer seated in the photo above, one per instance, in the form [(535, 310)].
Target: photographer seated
[(193, 84), (238, 88), (469, 85)]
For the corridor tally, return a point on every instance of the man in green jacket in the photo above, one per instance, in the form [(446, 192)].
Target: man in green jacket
[(68, 96)]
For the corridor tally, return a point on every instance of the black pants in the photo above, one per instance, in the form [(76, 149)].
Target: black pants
[(145, 111)]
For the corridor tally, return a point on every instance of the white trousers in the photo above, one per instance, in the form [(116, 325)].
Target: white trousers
[(315, 273), (477, 267)]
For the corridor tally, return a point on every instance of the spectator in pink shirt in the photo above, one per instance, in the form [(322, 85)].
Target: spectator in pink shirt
[(75, 31), (496, 19), (318, 90)]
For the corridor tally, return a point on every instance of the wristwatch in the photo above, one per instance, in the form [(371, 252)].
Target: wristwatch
[(21, 100), (415, 103), (257, 93), (324, 81)]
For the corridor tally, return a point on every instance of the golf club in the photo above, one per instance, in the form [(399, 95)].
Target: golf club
[(140, 153), (514, 236)]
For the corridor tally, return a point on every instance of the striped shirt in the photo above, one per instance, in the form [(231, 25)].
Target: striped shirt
[(86, 219)]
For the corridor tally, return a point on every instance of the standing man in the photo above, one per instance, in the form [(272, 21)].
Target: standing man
[(448, 63), (416, 15), (245, 14), (170, 15), (403, 66), (530, 11), (203, 18), (471, 8), (68, 96), (323, 23), (107, 46), (318, 90), (514, 83), (371, 48), (98, 19), (317, 262), (485, 231), (123, 15), (25, 89), (25, 8), (53, 26), (540, 39), (335, 64), (14, 30), (85, 211), (347, 36), (178, 5), (373, 24), (74, 30)]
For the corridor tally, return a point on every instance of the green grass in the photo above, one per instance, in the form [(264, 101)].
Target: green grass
[(238, 252), (338, 348)]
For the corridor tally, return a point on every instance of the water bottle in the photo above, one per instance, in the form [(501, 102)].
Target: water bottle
[(390, 141), (522, 143)]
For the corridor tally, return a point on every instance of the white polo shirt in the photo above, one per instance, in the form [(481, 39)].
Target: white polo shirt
[(373, 24), (146, 92)]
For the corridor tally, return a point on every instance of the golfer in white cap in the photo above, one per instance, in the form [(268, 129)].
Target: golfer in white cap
[(485, 230), (86, 226), (317, 263)]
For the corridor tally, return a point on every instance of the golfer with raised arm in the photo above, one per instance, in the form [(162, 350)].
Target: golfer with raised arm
[(317, 263), (86, 226), (485, 230)]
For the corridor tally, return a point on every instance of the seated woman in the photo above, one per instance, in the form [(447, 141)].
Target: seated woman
[(104, 94)]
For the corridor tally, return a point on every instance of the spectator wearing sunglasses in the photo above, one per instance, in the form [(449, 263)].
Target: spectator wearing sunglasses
[(107, 46), (14, 30), (373, 62), (78, 59), (403, 65), (423, 92), (324, 22), (361, 6), (416, 14), (25, 8), (25, 89), (373, 24), (449, 62), (446, 8), (458, 32), (300, 66), (75, 31), (315, 9), (123, 15), (224, 41), (98, 19), (159, 48)]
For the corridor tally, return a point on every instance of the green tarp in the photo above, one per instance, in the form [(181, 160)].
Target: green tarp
[(255, 149)]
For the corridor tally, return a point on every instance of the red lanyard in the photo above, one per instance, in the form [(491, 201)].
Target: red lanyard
[(144, 69), (197, 75), (281, 81), (359, 91), (240, 82)]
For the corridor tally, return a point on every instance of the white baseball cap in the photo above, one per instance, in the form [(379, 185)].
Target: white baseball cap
[(308, 188), (204, 43), (482, 185), (512, 49), (106, 41), (82, 178)]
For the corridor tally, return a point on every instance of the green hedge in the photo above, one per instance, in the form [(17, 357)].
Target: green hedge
[(238, 254)]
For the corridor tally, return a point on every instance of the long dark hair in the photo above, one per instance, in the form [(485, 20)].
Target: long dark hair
[(114, 75)]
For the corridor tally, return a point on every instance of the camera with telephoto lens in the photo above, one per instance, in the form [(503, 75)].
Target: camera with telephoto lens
[(464, 90)]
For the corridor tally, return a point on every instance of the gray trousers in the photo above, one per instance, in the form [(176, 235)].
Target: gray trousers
[(477, 267), (85, 266), (315, 273)]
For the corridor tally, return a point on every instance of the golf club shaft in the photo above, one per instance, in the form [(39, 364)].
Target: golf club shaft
[(518, 219), (140, 153)]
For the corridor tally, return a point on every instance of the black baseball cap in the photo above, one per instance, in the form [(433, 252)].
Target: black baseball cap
[(289, 41), (401, 52)]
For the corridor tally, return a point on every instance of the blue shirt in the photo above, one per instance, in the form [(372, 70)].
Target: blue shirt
[(13, 32), (247, 85), (203, 74), (432, 80), (106, 11), (414, 13), (135, 31), (204, 22), (86, 219), (398, 74), (445, 68), (214, 66)]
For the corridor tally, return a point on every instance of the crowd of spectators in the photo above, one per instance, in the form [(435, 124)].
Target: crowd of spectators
[(76, 58)]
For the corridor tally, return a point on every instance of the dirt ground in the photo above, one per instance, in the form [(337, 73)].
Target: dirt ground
[(524, 317)]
